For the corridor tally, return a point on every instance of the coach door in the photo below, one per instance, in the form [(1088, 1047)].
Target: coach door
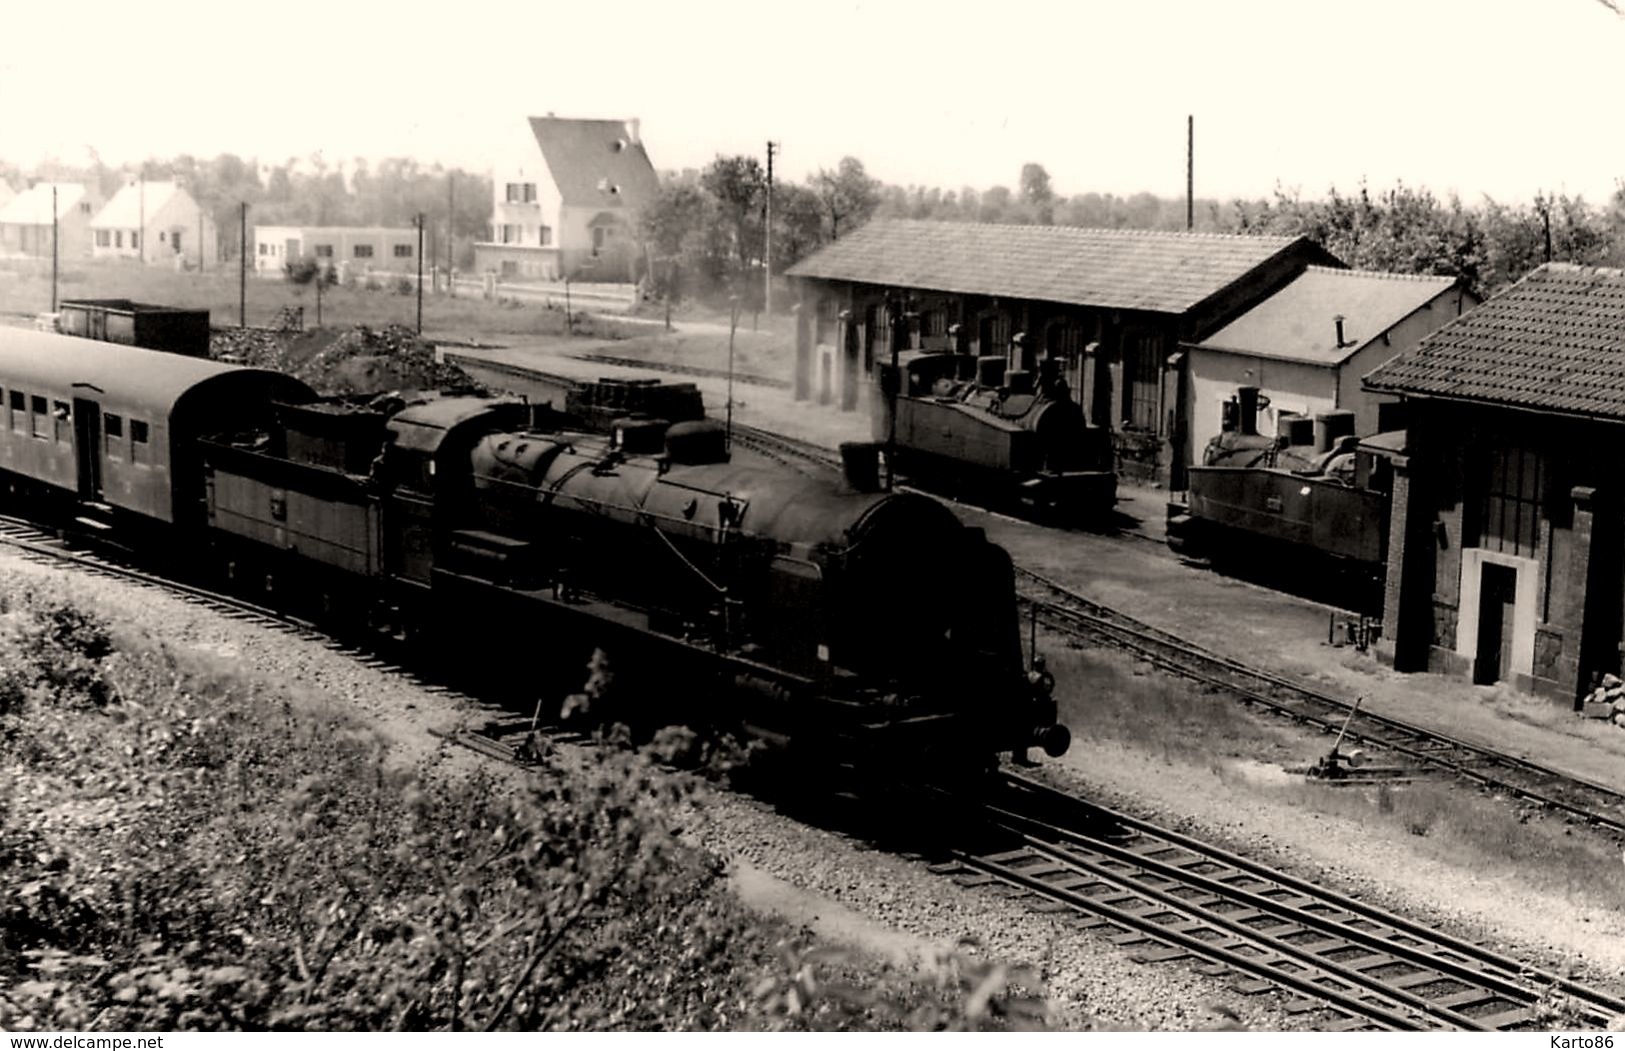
[(87, 447)]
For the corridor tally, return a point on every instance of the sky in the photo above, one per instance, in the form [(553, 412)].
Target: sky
[(1504, 98)]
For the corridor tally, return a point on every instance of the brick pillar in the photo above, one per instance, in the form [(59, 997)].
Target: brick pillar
[(1570, 606), (803, 374), (1407, 600), (850, 360)]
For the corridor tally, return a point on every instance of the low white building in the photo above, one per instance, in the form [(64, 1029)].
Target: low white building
[(25, 220), (1307, 346), (154, 222), (359, 248)]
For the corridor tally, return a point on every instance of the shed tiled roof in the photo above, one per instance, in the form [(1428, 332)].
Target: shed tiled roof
[(32, 207), (1554, 341), (1298, 322), (596, 163), (1125, 269), (124, 211)]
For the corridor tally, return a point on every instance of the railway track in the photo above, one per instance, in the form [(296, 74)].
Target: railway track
[(35, 544), (1167, 896), (793, 453), (1545, 787)]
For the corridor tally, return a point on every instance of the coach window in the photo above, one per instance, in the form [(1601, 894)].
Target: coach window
[(138, 442), (19, 412), (113, 429), (62, 417), (39, 417)]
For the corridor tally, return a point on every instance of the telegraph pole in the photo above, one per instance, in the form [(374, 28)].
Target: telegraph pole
[(451, 220), (767, 261), (141, 232), (1190, 172), (420, 273), (53, 247), (242, 267)]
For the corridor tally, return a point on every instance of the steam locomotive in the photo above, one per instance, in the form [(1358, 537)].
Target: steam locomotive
[(958, 422), (1312, 493), (833, 620)]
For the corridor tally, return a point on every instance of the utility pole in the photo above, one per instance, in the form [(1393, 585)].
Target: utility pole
[(767, 227), (451, 226), (242, 267), (733, 326), (1190, 172), (53, 247), (141, 231), (420, 273)]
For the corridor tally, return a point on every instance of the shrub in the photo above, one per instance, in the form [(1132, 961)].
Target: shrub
[(303, 270), (405, 286)]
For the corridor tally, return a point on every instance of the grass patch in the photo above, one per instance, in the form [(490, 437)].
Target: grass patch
[(1106, 697), (217, 291)]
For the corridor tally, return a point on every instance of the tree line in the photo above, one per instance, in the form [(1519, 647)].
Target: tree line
[(705, 232), (705, 229)]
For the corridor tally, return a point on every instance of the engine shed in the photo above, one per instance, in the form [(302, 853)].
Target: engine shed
[(1111, 306), (1508, 525)]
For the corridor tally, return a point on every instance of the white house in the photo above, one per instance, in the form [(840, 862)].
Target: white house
[(567, 202), (154, 222), (25, 220), (359, 248), (1306, 347)]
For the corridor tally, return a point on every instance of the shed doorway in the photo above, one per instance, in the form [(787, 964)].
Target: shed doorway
[(1497, 599)]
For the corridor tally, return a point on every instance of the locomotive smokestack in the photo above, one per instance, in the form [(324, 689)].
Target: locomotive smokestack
[(1248, 397)]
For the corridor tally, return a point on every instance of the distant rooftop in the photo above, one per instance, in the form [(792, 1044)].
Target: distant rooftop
[(125, 210), (32, 207), (1127, 269), (596, 163)]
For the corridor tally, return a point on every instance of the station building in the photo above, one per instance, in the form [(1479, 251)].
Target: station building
[(1507, 530), (1115, 306)]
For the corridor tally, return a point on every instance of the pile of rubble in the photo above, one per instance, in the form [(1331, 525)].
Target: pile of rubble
[(250, 346), (362, 360), (1607, 701)]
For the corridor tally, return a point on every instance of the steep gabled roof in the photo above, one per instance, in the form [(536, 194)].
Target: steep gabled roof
[(1554, 341), (1297, 323), (124, 211), (1127, 269), (596, 163), (32, 207)]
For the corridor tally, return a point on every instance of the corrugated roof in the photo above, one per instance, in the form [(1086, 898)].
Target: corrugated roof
[(595, 163), (1127, 269), (124, 211), (1554, 341), (1298, 322), (32, 207)]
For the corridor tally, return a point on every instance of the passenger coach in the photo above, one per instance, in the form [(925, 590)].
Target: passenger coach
[(110, 432)]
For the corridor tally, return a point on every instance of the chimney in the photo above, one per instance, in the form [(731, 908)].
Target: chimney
[(1338, 321), (632, 130)]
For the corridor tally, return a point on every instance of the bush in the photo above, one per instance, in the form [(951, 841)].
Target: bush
[(405, 286), (303, 270)]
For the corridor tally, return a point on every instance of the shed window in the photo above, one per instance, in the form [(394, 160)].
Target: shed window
[(324, 251), (403, 251), (1144, 354), (39, 417), (135, 238), (363, 251), (103, 240), (1509, 519), (19, 412), (263, 248)]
